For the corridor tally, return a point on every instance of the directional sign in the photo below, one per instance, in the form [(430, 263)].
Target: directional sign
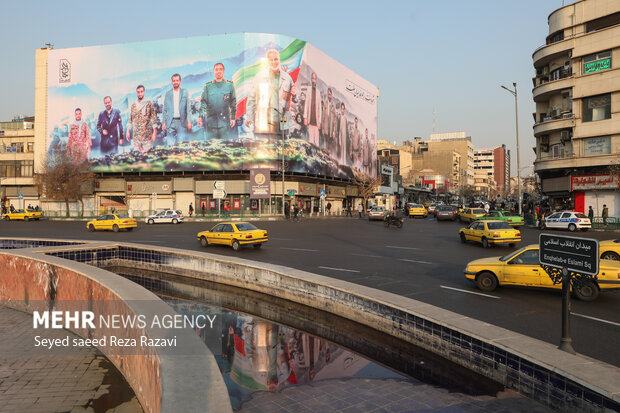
[(20, 196), (575, 254), (219, 194), (154, 195), (322, 192), (219, 185)]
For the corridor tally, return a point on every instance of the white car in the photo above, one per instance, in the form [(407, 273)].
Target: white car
[(376, 213), (569, 220), (166, 216)]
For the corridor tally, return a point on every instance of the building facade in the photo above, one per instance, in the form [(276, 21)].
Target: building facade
[(17, 162), (317, 125), (577, 96)]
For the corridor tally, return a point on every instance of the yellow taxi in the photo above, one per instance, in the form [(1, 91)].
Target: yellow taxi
[(522, 268), (417, 210), (609, 250), (22, 214), (490, 233), (470, 214), (233, 234), (115, 222)]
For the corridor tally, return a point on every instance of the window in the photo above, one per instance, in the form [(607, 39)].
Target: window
[(556, 37), (566, 215), (27, 168), (555, 151), (597, 108), (603, 22), (529, 257), (597, 62), (228, 228), (218, 228), (30, 147)]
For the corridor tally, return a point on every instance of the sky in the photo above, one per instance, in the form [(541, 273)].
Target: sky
[(439, 64)]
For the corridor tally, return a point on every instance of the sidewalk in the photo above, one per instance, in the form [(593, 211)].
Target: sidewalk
[(40, 380)]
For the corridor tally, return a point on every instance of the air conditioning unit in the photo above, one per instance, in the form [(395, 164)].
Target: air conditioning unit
[(546, 70), (544, 140), (544, 147), (565, 136), (553, 113)]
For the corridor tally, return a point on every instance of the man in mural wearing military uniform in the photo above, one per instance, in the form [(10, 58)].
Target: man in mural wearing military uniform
[(110, 128), (218, 106), (342, 136), (328, 120), (366, 153), (356, 154), (270, 97), (176, 119), (142, 124), (312, 112)]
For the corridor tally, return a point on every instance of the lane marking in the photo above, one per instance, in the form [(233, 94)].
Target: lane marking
[(401, 248), (416, 261), (469, 292), (596, 319), (298, 249), (369, 256), (338, 269)]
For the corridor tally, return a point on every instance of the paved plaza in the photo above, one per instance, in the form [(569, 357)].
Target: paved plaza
[(77, 380)]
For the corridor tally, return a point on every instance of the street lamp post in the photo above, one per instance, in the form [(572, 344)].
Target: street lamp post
[(514, 93)]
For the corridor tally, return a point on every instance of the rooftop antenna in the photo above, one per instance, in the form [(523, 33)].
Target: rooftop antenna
[(49, 45)]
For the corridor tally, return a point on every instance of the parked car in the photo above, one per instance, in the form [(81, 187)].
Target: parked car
[(233, 234), (609, 250), (511, 218), (114, 222), (522, 268), (22, 214), (490, 233), (376, 213), (470, 214), (417, 210), (165, 216), (569, 220), (446, 213)]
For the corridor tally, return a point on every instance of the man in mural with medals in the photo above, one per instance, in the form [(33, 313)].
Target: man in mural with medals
[(270, 98), (79, 143), (218, 106)]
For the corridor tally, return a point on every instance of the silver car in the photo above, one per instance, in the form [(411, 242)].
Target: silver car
[(376, 213)]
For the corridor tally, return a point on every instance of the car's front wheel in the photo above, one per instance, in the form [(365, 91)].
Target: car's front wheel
[(587, 291), (486, 281), (610, 255), (7, 218), (463, 239), (151, 222), (235, 245), (203, 241), (91, 228), (115, 228)]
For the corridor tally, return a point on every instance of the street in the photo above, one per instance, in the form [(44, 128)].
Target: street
[(424, 261)]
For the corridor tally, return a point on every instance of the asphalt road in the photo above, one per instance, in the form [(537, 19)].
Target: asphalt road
[(423, 261)]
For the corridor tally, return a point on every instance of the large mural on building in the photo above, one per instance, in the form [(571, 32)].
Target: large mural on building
[(225, 102)]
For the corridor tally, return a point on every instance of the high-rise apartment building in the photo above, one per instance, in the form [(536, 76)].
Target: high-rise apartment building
[(577, 95)]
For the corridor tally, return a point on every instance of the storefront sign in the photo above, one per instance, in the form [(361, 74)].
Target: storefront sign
[(260, 183), (582, 182), (597, 65)]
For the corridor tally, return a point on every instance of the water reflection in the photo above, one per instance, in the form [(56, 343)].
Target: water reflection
[(254, 354)]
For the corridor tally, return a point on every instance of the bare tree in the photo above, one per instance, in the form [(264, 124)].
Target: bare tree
[(62, 179), (367, 186)]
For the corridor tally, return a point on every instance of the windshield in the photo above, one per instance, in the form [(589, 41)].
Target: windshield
[(580, 215), (509, 256), (511, 214), (416, 206), (479, 211), (498, 225), (246, 227)]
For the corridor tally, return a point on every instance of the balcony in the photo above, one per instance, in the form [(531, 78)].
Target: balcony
[(548, 162), (546, 53), (545, 89), (560, 122)]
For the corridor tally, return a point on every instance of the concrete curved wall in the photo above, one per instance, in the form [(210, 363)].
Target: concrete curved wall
[(162, 382)]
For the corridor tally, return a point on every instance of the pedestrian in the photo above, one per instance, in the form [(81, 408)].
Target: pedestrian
[(605, 214), (487, 207), (328, 207), (203, 207), (349, 211), (360, 209), (591, 214), (287, 210), (191, 209)]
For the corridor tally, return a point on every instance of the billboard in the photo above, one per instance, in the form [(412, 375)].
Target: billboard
[(225, 102)]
